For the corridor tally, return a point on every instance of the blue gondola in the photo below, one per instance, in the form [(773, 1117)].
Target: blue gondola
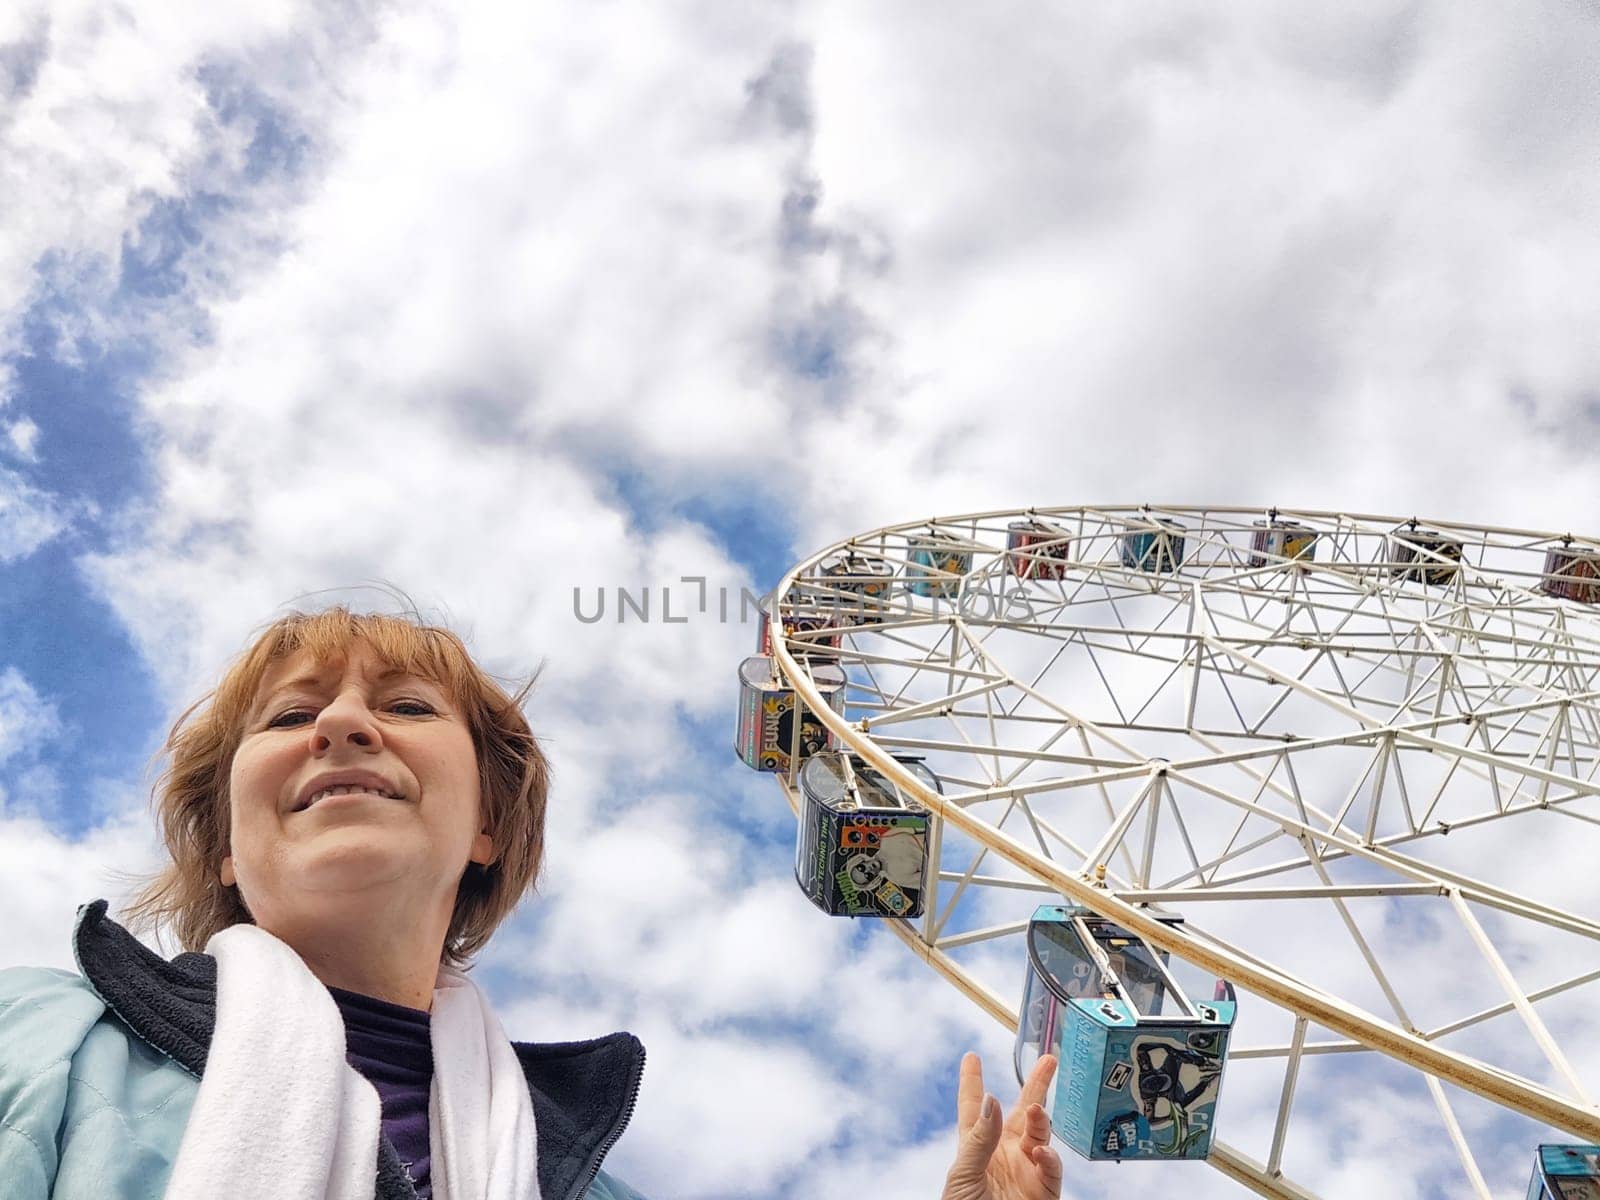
[(938, 561), (1565, 1173), (1141, 1063), (862, 845), (1159, 550)]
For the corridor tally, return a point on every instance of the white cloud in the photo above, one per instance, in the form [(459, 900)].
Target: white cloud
[(28, 517), (30, 784), (1250, 255), (702, 1096), (45, 876), (27, 720), (24, 437), (112, 111)]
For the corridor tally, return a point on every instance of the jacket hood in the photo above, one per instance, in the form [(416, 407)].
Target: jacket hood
[(583, 1093)]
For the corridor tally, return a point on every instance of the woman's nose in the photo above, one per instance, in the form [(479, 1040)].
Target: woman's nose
[(346, 721)]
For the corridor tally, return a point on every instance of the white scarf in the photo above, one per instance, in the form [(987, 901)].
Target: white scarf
[(280, 1113)]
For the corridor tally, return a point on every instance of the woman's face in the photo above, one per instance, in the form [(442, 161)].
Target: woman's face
[(408, 827)]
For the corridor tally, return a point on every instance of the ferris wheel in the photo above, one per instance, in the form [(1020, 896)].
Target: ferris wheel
[(1341, 768)]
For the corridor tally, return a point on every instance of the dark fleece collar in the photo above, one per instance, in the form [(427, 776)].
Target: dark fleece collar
[(583, 1092)]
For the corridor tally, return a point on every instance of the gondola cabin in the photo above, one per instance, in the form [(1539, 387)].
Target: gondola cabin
[(862, 845), (1274, 541), (1158, 550), (1424, 555), (806, 620), (937, 563), (1036, 550), (1572, 574), (1565, 1173), (1141, 1063), (859, 586), (768, 739)]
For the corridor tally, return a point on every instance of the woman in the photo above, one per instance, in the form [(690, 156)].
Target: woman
[(349, 815)]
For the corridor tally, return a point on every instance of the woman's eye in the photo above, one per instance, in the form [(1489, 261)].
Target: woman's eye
[(286, 720)]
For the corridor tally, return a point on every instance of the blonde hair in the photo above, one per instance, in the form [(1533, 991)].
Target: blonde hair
[(192, 801)]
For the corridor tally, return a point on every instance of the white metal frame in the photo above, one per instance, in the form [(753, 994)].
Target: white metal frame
[(1304, 731)]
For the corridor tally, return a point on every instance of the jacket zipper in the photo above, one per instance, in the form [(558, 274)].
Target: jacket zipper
[(613, 1133)]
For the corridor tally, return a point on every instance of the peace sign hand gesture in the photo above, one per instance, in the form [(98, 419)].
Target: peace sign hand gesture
[(1003, 1161)]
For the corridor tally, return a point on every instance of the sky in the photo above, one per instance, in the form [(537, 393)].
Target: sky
[(500, 305)]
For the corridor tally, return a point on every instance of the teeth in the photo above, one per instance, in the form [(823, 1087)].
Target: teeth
[(345, 789)]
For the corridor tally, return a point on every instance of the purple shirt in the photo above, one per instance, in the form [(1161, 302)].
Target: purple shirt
[(391, 1046)]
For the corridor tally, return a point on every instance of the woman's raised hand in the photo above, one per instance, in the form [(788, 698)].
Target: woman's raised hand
[(1003, 1160)]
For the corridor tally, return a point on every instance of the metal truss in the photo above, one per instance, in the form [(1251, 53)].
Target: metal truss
[(1364, 777)]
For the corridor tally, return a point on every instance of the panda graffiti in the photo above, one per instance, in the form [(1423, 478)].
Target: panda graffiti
[(898, 858)]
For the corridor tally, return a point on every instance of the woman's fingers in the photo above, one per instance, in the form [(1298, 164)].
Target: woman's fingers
[(1033, 1092), (1035, 1129), (967, 1176), (969, 1094), (1035, 1135), (1026, 1130), (1048, 1163)]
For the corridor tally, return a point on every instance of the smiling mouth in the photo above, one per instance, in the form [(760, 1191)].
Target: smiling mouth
[(347, 790)]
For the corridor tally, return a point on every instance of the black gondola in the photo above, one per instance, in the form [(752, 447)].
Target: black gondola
[(1424, 555), (862, 845)]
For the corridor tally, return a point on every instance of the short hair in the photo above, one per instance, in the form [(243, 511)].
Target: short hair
[(191, 795)]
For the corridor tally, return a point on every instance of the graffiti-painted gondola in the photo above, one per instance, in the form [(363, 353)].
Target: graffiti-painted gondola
[(1141, 1063), (859, 586), (1571, 573), (862, 843), (1036, 550), (1158, 550), (1274, 540), (767, 738), (807, 620), (1424, 555), (937, 563), (1565, 1173)]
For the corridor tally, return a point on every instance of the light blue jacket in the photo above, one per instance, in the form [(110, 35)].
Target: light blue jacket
[(98, 1072)]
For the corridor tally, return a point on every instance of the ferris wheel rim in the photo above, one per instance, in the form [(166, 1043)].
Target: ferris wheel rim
[(1375, 520)]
